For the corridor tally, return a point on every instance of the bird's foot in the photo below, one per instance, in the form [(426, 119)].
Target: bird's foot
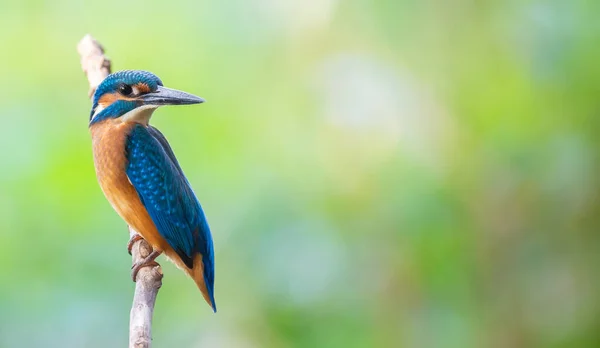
[(147, 262), (132, 241)]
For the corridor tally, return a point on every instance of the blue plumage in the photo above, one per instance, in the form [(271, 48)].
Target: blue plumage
[(175, 223), (169, 199), (112, 83), (128, 77)]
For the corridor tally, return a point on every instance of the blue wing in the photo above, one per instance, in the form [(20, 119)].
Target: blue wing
[(165, 192)]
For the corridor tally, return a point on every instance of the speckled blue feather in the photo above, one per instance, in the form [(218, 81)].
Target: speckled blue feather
[(169, 198), (111, 84), (129, 77)]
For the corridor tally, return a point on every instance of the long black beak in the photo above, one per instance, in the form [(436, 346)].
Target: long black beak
[(167, 96)]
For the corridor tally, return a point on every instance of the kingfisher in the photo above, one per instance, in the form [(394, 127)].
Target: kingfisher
[(143, 181)]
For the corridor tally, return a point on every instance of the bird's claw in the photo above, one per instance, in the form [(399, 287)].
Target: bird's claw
[(139, 265), (147, 262), (132, 241)]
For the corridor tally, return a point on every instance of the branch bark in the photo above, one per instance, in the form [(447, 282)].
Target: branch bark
[(149, 279)]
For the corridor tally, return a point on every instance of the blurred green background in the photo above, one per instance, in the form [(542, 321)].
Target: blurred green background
[(376, 173)]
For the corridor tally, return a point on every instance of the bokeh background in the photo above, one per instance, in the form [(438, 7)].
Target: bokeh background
[(376, 173)]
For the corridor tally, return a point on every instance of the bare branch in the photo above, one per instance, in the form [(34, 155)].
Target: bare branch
[(93, 62), (149, 279)]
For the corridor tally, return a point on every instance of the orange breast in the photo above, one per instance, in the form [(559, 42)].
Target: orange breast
[(108, 139), (108, 142)]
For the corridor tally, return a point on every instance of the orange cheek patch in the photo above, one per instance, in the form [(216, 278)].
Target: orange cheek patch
[(107, 99), (142, 88)]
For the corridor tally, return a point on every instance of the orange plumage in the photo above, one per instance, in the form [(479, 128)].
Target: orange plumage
[(108, 142)]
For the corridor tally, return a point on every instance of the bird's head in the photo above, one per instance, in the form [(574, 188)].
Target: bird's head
[(133, 95)]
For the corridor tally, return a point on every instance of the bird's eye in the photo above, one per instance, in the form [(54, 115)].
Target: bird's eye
[(125, 90)]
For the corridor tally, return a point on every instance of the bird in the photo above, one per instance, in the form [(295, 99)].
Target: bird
[(142, 179)]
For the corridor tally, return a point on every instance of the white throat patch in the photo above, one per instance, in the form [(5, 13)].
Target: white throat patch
[(99, 109), (140, 114)]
